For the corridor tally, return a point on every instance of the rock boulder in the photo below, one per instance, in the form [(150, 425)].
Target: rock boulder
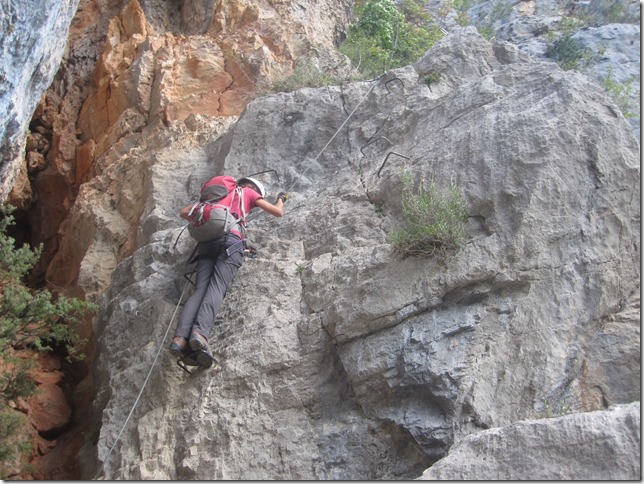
[(601, 445)]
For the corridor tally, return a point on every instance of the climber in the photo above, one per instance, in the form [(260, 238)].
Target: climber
[(217, 264)]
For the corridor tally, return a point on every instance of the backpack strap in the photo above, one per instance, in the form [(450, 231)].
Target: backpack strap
[(197, 210), (192, 209), (241, 221), (240, 194)]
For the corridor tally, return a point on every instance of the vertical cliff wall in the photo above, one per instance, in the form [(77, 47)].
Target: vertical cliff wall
[(339, 359), (129, 70), (32, 45)]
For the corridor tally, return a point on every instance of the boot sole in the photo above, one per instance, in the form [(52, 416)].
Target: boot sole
[(204, 359)]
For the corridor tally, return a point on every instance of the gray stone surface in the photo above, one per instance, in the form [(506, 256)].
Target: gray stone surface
[(338, 358), (617, 50), (602, 445), (607, 31), (32, 45)]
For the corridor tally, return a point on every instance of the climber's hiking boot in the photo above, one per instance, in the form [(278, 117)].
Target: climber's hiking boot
[(178, 347), (187, 356), (198, 342), (202, 352), (186, 360), (204, 358)]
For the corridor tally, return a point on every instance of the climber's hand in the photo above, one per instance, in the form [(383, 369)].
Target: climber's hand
[(282, 196)]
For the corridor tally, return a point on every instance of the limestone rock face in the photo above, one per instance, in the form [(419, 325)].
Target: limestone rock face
[(594, 446), (337, 358), (32, 43), (603, 36), (129, 68), (157, 69), (150, 75), (133, 66)]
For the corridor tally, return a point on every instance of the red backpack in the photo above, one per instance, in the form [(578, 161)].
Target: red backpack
[(211, 220)]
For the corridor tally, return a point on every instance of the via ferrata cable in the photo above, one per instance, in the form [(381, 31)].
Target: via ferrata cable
[(375, 81)]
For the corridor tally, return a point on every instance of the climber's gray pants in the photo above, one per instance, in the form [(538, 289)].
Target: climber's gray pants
[(214, 275)]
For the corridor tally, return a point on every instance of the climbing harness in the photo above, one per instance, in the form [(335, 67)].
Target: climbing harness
[(250, 252)]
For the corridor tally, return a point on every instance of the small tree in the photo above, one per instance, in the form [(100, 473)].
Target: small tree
[(34, 319), (568, 52), (387, 35), (306, 74), (433, 221)]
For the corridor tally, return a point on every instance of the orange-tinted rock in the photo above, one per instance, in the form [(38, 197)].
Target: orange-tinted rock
[(125, 75), (21, 192), (48, 408)]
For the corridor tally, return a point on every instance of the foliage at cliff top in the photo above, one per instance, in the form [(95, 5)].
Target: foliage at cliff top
[(386, 35)]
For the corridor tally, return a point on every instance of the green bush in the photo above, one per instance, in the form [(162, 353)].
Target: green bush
[(13, 439), (622, 94), (609, 12), (570, 25), (386, 35), (432, 78), (568, 53), (28, 318), (433, 221), (486, 32)]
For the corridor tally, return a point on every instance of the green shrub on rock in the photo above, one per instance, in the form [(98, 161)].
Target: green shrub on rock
[(433, 220), (387, 34)]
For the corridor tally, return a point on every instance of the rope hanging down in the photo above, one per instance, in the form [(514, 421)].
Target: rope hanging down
[(375, 81), (156, 357)]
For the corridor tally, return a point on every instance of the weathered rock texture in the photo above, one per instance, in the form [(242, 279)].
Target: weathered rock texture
[(134, 66), (587, 446), (607, 33), (339, 359), (130, 69), (32, 45)]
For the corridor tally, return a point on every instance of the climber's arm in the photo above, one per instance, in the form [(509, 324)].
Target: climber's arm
[(184, 213), (276, 209)]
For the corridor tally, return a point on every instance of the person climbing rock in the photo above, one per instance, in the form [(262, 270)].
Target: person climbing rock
[(219, 258)]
